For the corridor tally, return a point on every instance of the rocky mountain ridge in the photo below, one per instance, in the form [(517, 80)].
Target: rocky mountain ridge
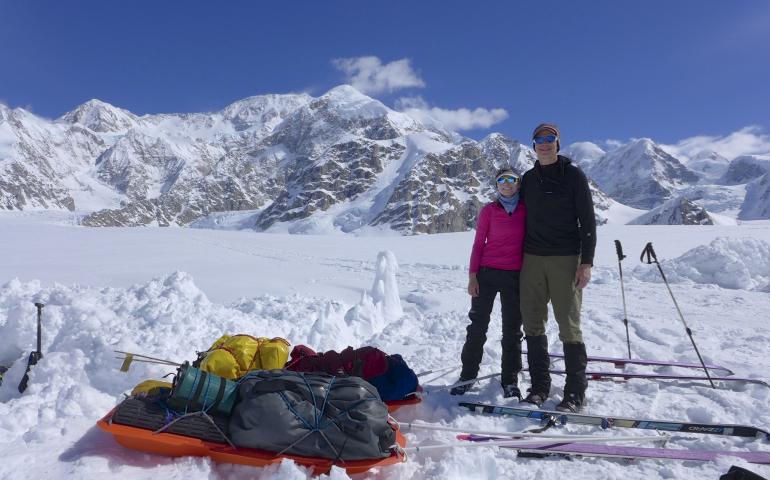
[(342, 161)]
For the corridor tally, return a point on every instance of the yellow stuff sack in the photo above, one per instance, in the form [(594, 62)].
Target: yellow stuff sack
[(150, 387), (234, 356)]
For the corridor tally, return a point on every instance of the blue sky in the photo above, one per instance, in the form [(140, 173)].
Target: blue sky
[(601, 69)]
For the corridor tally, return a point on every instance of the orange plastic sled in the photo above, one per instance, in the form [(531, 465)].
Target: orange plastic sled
[(173, 445), (394, 405)]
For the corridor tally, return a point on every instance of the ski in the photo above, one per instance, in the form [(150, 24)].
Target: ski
[(622, 362), (562, 418), (615, 451)]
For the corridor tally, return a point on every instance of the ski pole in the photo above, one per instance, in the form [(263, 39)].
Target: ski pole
[(652, 258), (35, 356), (511, 435), (438, 388), (619, 250), (531, 442), (438, 370)]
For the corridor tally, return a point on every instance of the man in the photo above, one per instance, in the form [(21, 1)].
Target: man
[(558, 256)]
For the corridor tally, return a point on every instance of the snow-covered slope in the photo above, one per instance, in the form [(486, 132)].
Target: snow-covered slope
[(100, 117), (338, 145), (726, 199), (745, 169), (606, 209), (709, 165), (757, 202), (443, 191), (29, 176), (640, 174), (331, 292), (583, 153), (677, 211)]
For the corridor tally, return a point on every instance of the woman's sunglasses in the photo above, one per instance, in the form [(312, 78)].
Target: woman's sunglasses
[(508, 179)]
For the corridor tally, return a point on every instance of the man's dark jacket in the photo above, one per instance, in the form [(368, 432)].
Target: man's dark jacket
[(560, 211)]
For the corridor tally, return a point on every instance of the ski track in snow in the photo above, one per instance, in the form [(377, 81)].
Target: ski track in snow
[(50, 430)]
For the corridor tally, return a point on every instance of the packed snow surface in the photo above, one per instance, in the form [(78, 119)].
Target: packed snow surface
[(171, 292)]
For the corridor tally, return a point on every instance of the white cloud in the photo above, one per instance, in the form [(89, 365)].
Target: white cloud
[(455, 120), (611, 144), (746, 141), (369, 75)]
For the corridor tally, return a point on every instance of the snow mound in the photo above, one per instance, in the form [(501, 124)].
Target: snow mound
[(385, 287), (383, 305), (735, 263)]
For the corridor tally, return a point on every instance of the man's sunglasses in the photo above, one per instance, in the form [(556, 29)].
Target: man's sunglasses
[(545, 139), (513, 180)]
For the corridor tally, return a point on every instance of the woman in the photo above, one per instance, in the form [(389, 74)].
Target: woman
[(495, 263)]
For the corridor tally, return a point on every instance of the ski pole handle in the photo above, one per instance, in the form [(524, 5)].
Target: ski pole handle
[(650, 252), (35, 356), (39, 321), (619, 249)]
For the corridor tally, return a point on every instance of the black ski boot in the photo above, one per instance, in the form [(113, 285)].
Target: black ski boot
[(535, 398), (575, 361), (461, 389), (539, 365), (571, 403), (511, 390), (740, 473)]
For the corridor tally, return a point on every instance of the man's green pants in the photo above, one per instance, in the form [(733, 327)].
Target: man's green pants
[(545, 279)]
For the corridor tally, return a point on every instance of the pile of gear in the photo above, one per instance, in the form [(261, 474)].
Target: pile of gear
[(252, 393)]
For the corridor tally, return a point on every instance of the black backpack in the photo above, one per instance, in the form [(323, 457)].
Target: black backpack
[(311, 414)]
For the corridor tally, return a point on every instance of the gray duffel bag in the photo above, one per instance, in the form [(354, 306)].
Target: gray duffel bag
[(311, 414)]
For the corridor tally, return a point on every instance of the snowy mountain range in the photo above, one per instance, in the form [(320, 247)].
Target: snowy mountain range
[(340, 162), (640, 174)]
